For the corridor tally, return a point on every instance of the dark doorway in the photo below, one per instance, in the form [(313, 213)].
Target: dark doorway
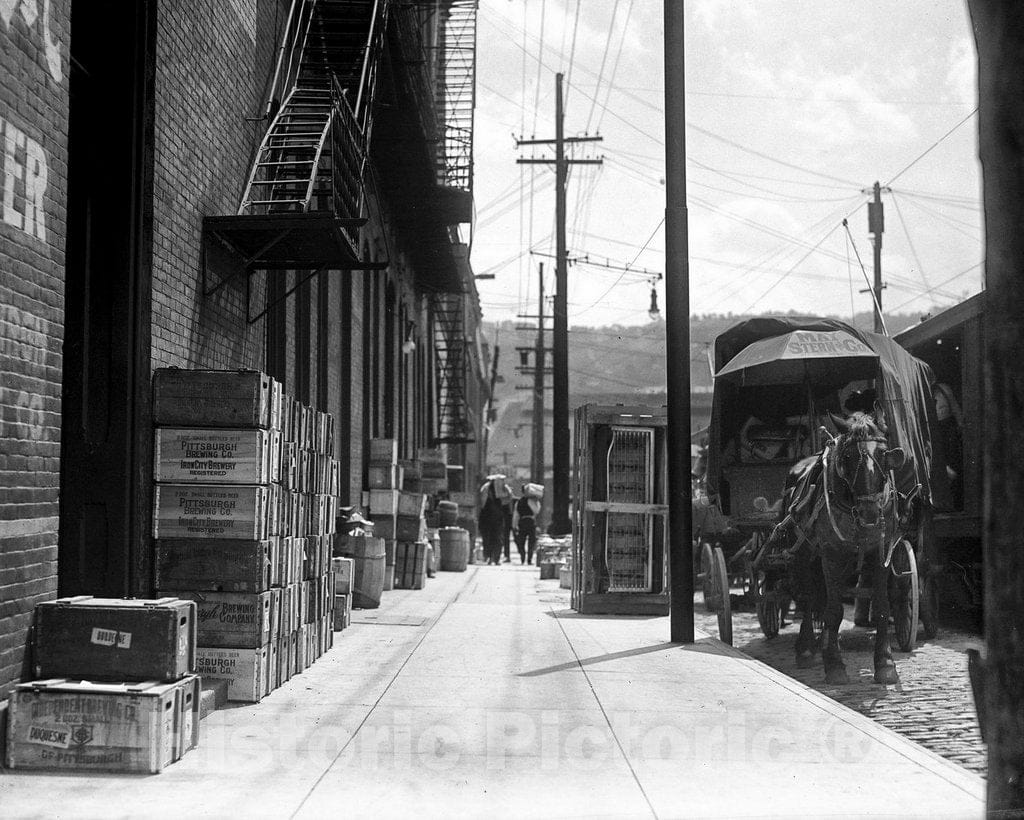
[(105, 432)]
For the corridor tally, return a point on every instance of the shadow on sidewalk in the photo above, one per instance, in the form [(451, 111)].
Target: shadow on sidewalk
[(703, 645)]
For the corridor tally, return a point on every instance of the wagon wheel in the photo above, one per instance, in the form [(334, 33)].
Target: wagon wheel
[(768, 604), (929, 592), (908, 595), (706, 561), (720, 585)]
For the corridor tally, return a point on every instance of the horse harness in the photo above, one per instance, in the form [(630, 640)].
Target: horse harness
[(889, 499)]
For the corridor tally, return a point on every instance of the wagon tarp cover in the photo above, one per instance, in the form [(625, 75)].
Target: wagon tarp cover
[(904, 386)]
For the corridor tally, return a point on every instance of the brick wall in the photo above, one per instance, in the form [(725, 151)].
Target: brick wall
[(212, 62), (33, 186)]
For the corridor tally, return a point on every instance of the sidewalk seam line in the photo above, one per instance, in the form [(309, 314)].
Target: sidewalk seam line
[(604, 714), (376, 703)]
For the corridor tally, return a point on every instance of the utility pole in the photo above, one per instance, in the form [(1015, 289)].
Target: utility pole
[(539, 360), (560, 524), (876, 227), (490, 397), (998, 27), (677, 334)]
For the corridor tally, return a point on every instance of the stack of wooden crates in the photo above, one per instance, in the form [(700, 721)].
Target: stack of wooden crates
[(245, 504), (114, 688), (398, 517)]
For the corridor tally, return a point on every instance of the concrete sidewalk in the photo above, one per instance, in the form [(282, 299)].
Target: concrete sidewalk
[(484, 695)]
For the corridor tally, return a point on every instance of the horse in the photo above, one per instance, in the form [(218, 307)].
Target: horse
[(844, 507)]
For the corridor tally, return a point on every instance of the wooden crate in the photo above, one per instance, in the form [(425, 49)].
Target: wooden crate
[(245, 670), (211, 511), (211, 398), (211, 456), (216, 565), (384, 502), (69, 725), (410, 528), (231, 619), (115, 639), (383, 450), (343, 569), (385, 477), (410, 565), (411, 504)]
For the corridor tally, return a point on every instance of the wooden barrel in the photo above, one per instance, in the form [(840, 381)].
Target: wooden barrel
[(447, 513), (367, 571), (454, 549)]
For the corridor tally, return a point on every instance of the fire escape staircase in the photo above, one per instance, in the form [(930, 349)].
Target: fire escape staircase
[(304, 200), (452, 361)]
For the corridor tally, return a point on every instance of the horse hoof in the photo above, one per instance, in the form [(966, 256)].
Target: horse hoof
[(804, 660), (836, 677), (887, 675)]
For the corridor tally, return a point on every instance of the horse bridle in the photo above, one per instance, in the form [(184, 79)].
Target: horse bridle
[(884, 496)]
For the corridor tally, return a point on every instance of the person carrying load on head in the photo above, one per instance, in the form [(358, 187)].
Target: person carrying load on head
[(524, 521), (492, 516)]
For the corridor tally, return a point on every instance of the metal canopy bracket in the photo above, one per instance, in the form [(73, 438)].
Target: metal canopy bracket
[(278, 243)]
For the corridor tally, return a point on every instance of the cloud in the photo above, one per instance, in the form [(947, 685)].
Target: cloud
[(962, 78)]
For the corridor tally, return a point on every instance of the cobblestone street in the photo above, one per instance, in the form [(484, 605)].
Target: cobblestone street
[(931, 705)]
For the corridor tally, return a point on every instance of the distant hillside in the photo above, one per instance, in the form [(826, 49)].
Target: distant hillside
[(619, 360)]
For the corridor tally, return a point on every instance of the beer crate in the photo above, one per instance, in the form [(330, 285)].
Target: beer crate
[(410, 528), (276, 404), (211, 398), (276, 603), (383, 525), (271, 681), (58, 723), (343, 569), (411, 504), (342, 611), (114, 638), (431, 455), (385, 477), (211, 511), (410, 565), (383, 450), (384, 502), (301, 647), (216, 565), (245, 670), (211, 456), (433, 469), (231, 619)]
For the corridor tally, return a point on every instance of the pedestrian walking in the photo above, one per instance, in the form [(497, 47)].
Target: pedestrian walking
[(492, 516), (524, 521)]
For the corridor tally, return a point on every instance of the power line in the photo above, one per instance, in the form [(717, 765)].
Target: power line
[(616, 282), (910, 242), (952, 278), (604, 59), (931, 147)]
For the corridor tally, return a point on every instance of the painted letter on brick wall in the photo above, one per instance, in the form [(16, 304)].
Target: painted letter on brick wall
[(25, 177), (30, 14)]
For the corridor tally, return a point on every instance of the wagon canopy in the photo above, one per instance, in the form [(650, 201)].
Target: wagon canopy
[(802, 355), (904, 383)]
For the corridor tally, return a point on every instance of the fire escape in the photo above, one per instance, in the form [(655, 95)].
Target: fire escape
[(456, 100), (304, 200)]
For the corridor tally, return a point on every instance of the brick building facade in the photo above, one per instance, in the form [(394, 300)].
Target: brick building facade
[(114, 162)]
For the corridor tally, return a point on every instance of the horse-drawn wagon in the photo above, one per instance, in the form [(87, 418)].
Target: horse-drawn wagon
[(782, 385)]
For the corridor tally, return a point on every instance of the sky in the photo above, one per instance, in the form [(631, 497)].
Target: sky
[(794, 108)]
